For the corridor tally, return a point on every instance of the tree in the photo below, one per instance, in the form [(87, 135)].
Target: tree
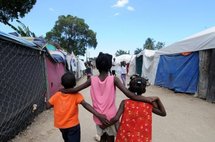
[(159, 45), (24, 30), (121, 52), (149, 44), (13, 9), (73, 34), (137, 51)]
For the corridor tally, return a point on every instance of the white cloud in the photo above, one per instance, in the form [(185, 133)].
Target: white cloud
[(130, 8), (121, 3), (51, 9), (116, 14)]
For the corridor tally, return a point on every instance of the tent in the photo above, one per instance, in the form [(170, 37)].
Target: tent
[(200, 51), (125, 57)]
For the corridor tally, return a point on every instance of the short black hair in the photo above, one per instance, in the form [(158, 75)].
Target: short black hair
[(104, 62), (68, 80), (137, 84)]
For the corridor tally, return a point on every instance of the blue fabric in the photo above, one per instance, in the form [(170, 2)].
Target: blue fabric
[(17, 39), (58, 58), (179, 73)]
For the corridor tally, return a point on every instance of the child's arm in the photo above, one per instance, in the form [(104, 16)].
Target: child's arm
[(48, 105), (119, 113), (117, 116), (129, 94), (158, 107), (78, 88), (101, 117)]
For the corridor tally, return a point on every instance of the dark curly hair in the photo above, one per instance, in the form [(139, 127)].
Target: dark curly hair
[(104, 62), (137, 84), (68, 80)]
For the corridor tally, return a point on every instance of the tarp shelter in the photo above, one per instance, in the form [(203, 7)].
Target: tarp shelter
[(178, 72), (55, 68), (125, 57), (149, 65), (22, 84), (204, 44)]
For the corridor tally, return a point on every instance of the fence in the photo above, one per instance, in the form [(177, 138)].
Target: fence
[(22, 87)]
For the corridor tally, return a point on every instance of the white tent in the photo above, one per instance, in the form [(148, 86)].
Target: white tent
[(125, 57), (150, 63), (197, 42)]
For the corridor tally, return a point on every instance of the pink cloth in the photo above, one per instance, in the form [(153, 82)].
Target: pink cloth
[(103, 95)]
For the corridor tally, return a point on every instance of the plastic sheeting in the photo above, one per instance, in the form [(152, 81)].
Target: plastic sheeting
[(18, 40), (132, 67), (149, 66), (178, 72), (58, 56), (200, 41)]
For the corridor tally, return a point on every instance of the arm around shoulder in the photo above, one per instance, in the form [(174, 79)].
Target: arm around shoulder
[(129, 94), (158, 107), (78, 88)]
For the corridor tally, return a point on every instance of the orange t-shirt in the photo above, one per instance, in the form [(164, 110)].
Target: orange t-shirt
[(66, 109)]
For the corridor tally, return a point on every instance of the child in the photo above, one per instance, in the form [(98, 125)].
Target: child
[(123, 72), (103, 95), (88, 70), (113, 68), (66, 110), (136, 121)]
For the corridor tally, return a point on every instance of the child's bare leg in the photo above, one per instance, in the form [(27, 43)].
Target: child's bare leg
[(110, 138), (103, 137)]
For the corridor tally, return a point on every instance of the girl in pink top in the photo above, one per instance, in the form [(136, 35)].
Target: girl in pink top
[(103, 94)]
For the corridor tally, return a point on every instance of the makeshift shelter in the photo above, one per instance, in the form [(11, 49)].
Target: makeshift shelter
[(126, 58), (55, 67), (199, 53), (22, 84)]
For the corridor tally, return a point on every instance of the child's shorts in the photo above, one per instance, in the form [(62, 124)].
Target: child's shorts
[(111, 131)]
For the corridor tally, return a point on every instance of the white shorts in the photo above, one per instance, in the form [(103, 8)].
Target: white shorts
[(111, 131)]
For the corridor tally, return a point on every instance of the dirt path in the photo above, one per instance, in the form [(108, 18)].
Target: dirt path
[(188, 119)]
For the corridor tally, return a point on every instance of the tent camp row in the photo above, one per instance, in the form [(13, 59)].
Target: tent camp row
[(186, 66)]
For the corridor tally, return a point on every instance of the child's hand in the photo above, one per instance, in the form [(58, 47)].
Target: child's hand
[(154, 98), (103, 127), (104, 120)]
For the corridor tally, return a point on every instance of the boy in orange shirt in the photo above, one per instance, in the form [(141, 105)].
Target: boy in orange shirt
[(66, 110)]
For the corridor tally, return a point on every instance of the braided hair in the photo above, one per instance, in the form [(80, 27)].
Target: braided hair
[(137, 84)]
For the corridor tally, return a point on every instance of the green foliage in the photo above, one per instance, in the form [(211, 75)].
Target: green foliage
[(24, 30), (73, 34), (13, 9), (159, 45), (137, 51), (150, 44), (121, 52)]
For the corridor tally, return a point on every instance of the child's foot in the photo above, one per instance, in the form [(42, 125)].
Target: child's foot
[(97, 138)]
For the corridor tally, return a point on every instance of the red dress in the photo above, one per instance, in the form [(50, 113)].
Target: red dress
[(136, 122)]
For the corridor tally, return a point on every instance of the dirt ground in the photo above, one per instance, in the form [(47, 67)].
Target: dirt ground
[(188, 119)]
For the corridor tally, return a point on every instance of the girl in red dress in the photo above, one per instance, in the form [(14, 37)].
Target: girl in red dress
[(136, 121)]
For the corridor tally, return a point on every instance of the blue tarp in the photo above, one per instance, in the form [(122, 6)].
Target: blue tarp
[(17, 40), (179, 73)]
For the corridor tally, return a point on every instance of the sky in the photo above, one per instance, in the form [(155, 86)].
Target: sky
[(124, 24)]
